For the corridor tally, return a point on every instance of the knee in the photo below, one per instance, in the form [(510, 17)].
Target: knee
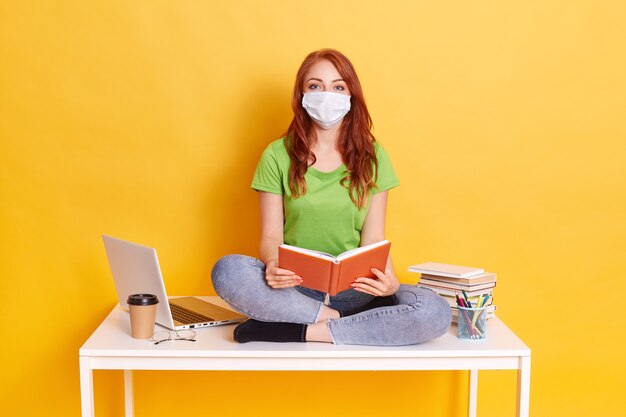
[(441, 315), (433, 316), (228, 271)]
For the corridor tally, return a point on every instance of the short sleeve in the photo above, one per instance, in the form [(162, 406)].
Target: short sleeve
[(387, 178), (267, 176)]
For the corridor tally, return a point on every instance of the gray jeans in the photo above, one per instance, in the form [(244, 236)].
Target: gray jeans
[(419, 315)]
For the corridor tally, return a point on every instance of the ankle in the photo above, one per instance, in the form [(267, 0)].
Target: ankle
[(318, 332)]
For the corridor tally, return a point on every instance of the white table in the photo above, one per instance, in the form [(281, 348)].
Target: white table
[(111, 347)]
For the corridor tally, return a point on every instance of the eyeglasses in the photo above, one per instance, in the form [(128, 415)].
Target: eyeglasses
[(164, 336)]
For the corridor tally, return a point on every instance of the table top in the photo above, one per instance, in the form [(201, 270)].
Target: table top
[(112, 339)]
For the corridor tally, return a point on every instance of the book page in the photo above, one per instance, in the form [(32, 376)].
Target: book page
[(310, 252), (356, 251)]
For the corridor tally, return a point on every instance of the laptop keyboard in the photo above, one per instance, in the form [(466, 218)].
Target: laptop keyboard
[(186, 316)]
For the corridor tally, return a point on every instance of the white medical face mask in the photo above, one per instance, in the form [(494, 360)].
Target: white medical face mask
[(326, 109)]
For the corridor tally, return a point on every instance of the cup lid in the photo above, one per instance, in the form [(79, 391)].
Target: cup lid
[(142, 299)]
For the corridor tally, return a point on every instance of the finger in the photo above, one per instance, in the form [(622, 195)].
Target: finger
[(379, 286), (284, 285), (364, 287), (367, 290), (284, 278), (381, 275), (366, 280), (284, 281), (280, 271), (372, 282)]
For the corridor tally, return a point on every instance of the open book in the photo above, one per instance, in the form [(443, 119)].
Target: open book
[(332, 274)]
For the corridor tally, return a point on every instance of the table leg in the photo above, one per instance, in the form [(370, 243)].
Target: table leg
[(473, 393), (86, 387), (128, 393), (523, 387)]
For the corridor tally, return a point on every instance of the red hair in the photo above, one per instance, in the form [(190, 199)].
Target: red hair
[(356, 142)]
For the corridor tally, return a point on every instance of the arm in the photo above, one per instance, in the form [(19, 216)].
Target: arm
[(272, 221), (387, 283)]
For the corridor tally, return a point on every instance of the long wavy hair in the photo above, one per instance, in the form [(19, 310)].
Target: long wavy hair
[(356, 141)]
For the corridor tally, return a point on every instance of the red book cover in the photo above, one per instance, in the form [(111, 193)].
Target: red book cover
[(333, 274)]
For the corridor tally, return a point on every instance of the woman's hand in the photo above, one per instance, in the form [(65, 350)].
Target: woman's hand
[(280, 278), (382, 285)]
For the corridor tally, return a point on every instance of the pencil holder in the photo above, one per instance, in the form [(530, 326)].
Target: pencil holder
[(472, 323)]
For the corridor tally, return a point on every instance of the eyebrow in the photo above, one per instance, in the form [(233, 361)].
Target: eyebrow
[(317, 79)]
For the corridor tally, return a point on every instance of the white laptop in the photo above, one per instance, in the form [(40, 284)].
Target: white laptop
[(136, 270)]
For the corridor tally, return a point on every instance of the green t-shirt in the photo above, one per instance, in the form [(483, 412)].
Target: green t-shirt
[(325, 218)]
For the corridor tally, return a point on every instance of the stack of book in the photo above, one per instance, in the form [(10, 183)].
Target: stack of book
[(451, 280)]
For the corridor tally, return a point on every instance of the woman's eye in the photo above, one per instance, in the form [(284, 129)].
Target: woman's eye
[(340, 87), (313, 86)]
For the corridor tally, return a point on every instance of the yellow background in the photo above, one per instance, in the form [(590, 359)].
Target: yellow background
[(145, 120)]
